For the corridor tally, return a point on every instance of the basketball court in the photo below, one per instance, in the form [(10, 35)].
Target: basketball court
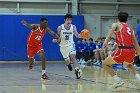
[(16, 78), (96, 16)]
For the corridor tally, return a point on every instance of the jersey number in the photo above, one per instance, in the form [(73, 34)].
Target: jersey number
[(66, 37), (38, 37), (128, 30)]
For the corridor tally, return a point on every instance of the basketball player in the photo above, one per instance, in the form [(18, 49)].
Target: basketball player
[(67, 46), (127, 44), (34, 42)]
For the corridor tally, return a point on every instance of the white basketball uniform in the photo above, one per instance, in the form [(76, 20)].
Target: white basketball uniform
[(67, 46)]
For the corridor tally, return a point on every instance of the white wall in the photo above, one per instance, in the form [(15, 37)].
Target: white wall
[(42, 8), (32, 8), (94, 12)]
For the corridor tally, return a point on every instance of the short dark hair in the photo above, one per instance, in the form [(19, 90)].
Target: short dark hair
[(122, 16), (103, 37), (68, 16), (84, 39), (90, 39), (112, 38), (42, 19)]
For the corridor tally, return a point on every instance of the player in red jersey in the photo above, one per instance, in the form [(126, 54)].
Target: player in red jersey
[(34, 42), (127, 44)]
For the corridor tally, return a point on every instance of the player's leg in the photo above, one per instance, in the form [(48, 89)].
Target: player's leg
[(130, 67), (132, 70), (128, 63), (73, 59), (67, 62), (65, 54), (107, 66), (31, 61), (41, 55), (78, 71), (72, 53), (30, 52)]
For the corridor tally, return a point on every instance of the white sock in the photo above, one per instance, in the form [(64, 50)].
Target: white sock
[(137, 76), (116, 78), (43, 71)]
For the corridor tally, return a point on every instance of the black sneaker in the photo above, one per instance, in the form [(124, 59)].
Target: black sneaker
[(69, 67), (78, 73)]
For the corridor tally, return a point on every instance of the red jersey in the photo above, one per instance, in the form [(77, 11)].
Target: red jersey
[(125, 35), (35, 37)]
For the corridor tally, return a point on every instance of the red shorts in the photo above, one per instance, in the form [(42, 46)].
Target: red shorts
[(124, 55), (31, 51)]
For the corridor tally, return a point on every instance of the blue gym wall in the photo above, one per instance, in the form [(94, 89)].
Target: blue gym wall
[(14, 36)]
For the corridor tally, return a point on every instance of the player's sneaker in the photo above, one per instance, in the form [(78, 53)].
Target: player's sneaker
[(69, 67), (118, 84), (78, 73), (44, 77)]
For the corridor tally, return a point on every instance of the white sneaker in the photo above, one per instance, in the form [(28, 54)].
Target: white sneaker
[(118, 84)]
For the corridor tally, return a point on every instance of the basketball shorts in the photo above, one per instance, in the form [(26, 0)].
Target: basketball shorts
[(124, 55), (67, 51), (31, 51)]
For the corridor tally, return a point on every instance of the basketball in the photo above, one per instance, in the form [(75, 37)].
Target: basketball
[(85, 34)]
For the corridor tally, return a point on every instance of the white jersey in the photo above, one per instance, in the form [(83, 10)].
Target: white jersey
[(66, 36)]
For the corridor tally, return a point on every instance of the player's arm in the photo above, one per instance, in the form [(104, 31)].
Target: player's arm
[(57, 38), (52, 33), (33, 26), (75, 32), (136, 44), (111, 30), (59, 30)]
